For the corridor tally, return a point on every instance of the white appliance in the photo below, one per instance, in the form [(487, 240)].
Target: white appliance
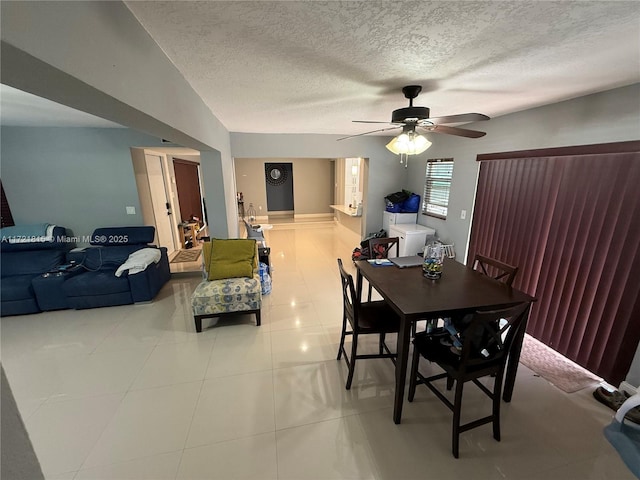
[(389, 219), (412, 238)]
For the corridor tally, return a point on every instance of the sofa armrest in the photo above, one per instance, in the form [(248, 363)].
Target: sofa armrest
[(145, 285)]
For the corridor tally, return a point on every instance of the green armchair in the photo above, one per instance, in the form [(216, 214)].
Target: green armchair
[(232, 281)]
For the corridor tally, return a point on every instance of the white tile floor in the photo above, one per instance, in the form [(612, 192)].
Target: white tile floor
[(133, 392)]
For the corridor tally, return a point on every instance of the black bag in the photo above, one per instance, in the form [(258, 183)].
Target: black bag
[(365, 243), (398, 197)]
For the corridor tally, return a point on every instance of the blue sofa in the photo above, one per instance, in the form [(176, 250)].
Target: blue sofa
[(25, 261), (98, 286)]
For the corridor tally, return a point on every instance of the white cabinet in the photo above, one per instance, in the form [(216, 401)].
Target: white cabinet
[(412, 238), (389, 219)]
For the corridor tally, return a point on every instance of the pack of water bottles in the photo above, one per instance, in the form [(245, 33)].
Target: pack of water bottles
[(265, 279)]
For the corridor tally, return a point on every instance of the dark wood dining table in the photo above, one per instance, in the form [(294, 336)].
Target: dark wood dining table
[(460, 290)]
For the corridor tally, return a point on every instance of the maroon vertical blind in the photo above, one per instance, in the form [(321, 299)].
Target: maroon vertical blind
[(572, 225)]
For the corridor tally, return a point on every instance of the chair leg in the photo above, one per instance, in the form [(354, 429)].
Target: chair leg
[(370, 292), (352, 363), (344, 334), (449, 383), (198, 321), (258, 319), (457, 407), (413, 377), (497, 390), (381, 344)]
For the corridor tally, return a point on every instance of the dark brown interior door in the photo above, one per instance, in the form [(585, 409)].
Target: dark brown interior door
[(188, 187)]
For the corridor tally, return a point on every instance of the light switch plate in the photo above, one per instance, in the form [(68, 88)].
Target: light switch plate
[(131, 210), (463, 214)]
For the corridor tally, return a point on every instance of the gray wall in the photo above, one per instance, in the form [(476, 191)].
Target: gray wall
[(386, 175), (80, 178), (18, 460), (610, 116), (312, 183), (119, 74), (633, 377)]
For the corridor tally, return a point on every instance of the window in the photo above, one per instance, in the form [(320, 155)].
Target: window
[(435, 201)]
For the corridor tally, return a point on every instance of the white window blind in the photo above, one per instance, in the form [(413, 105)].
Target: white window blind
[(435, 201)]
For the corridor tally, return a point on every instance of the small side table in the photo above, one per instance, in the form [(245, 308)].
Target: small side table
[(188, 234)]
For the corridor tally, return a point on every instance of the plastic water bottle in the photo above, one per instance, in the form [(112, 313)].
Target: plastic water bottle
[(265, 279)]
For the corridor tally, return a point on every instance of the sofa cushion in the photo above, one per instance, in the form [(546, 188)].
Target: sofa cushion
[(107, 258), (17, 287), (59, 241), (228, 295), (30, 263), (230, 258), (112, 236), (102, 282)]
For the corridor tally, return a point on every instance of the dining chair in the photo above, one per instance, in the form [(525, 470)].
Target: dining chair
[(473, 348), (495, 269), (449, 251), (380, 248), (363, 319)]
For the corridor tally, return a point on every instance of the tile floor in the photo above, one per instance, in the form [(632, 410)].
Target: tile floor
[(133, 392)]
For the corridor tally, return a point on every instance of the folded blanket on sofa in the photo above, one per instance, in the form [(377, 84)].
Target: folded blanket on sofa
[(139, 260), (41, 232)]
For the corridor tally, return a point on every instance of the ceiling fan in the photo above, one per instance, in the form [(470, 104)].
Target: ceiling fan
[(411, 118)]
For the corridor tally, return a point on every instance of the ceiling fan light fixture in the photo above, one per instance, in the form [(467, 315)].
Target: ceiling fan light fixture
[(409, 143)]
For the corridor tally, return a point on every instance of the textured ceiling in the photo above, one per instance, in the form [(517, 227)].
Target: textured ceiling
[(312, 67)]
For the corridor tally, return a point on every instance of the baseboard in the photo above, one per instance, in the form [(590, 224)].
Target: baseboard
[(627, 387), (328, 216), (281, 213)]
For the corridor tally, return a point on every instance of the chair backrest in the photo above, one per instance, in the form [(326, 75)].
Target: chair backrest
[(380, 247), (449, 251), (349, 298), (488, 336), (495, 269)]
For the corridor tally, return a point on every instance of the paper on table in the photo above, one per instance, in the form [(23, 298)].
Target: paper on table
[(380, 261)]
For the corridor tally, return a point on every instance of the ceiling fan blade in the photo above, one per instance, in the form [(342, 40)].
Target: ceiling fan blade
[(367, 133), (463, 117), (460, 132), (373, 121)]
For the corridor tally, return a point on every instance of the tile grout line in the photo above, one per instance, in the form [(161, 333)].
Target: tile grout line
[(195, 408), (124, 395), (273, 391)]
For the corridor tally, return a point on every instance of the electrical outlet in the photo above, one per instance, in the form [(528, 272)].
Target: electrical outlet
[(131, 210), (463, 214), (260, 207)]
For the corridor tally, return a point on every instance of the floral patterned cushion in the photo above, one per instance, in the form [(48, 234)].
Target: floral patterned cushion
[(227, 295)]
